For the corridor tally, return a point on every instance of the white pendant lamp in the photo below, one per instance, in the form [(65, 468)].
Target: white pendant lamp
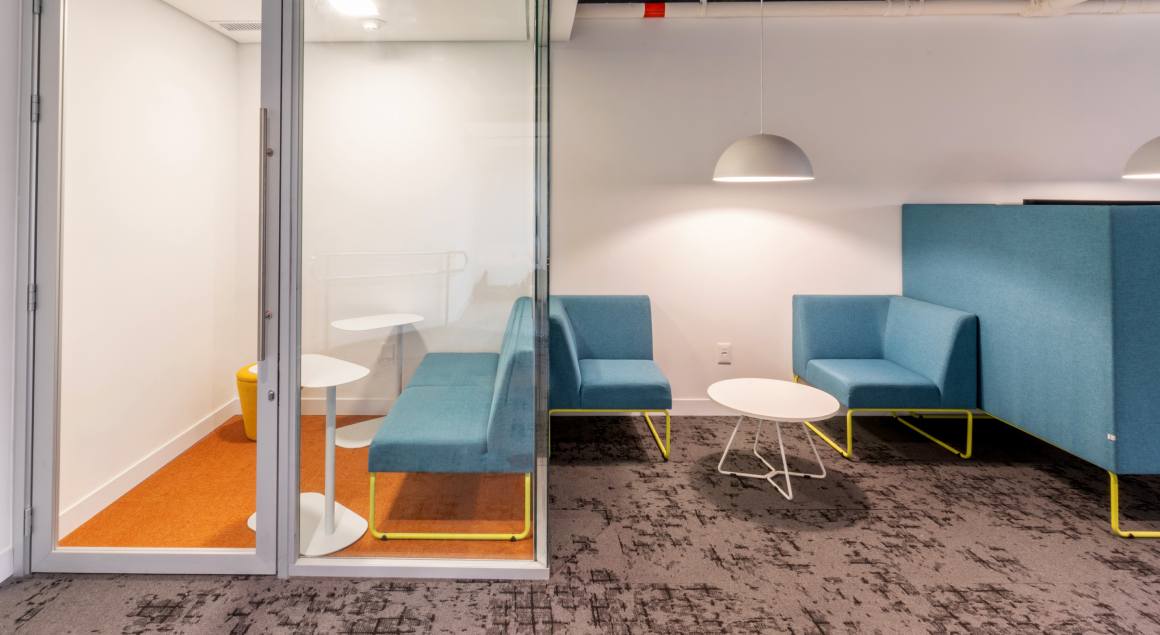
[(1145, 162), (763, 158)]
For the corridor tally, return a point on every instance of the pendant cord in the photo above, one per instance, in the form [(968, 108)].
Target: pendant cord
[(761, 67)]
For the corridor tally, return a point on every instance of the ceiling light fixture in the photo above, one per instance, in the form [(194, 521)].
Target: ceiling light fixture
[(763, 158), (355, 8), (1145, 162)]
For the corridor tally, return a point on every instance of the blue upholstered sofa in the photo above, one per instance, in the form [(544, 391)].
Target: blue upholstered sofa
[(465, 412), (1067, 301), (887, 354), (601, 359)]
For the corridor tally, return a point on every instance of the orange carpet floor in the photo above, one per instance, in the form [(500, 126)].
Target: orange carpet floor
[(203, 497)]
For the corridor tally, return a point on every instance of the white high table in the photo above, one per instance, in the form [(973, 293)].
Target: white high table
[(359, 435), (324, 524), (778, 402)]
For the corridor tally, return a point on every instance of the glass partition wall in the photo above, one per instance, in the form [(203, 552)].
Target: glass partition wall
[(291, 288), (151, 449), (419, 260)]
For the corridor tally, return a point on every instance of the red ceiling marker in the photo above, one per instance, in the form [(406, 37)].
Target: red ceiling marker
[(654, 9)]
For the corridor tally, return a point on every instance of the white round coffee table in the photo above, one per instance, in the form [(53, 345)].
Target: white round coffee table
[(778, 402)]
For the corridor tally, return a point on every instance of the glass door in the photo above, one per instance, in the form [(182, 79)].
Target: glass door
[(418, 440), (158, 257), (290, 267)]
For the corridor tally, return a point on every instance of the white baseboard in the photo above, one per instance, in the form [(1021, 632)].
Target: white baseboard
[(101, 497), (681, 408), (703, 407), (362, 406), (6, 564)]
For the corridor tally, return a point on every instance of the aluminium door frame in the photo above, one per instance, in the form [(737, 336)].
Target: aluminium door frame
[(25, 253), (38, 344), (36, 386), (415, 568)]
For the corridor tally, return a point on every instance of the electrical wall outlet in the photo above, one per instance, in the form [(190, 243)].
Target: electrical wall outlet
[(724, 352)]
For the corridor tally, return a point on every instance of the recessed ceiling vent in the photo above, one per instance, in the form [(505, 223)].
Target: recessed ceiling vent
[(238, 26)]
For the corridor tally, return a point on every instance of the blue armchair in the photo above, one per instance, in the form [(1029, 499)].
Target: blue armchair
[(602, 359), (888, 354)]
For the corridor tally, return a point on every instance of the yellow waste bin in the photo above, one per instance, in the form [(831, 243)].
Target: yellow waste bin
[(248, 396)]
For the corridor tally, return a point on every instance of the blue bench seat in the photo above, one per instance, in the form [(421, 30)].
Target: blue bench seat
[(465, 413), (440, 427), (872, 383), (628, 384)]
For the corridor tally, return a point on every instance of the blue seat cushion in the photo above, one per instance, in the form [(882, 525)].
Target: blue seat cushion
[(872, 383), (456, 369), (434, 429), (628, 384)]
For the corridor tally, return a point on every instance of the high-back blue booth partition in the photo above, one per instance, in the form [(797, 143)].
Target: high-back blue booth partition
[(1068, 301)]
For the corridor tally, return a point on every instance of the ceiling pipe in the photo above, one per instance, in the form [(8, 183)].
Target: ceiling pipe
[(868, 8)]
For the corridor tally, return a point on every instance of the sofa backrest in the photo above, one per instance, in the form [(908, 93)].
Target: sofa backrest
[(837, 327), (564, 360), (511, 422), (937, 342), (1067, 302), (610, 326)]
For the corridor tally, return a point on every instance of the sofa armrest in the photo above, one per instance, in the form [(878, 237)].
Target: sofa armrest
[(837, 327), (937, 342), (564, 362)]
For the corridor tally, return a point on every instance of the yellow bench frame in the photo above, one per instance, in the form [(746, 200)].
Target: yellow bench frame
[(897, 413), (1114, 489), (513, 537)]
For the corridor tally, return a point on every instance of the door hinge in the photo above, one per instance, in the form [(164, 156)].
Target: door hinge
[(37, 7), (35, 108), (32, 293), (27, 521)]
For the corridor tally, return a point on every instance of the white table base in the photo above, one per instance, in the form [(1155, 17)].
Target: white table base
[(324, 524), (771, 475), (358, 435), (313, 540)]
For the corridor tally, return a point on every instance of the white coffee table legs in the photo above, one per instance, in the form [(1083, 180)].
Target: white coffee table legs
[(773, 472)]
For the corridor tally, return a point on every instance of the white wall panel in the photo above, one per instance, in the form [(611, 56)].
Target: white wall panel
[(889, 111)]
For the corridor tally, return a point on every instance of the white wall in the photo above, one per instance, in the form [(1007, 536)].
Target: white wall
[(154, 317), (890, 111), (409, 147), (413, 147), (10, 33)]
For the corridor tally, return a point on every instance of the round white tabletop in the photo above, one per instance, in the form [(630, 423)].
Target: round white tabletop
[(774, 400), (374, 322), (323, 371)]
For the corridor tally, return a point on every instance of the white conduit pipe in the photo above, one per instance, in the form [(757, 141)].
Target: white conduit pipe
[(875, 8)]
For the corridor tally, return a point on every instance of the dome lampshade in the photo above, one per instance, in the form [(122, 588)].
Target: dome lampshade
[(1145, 162), (763, 158)]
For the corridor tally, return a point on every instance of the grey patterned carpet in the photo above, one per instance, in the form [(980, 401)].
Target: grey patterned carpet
[(907, 539)]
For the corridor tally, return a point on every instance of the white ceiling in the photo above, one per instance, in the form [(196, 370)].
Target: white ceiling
[(401, 20)]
